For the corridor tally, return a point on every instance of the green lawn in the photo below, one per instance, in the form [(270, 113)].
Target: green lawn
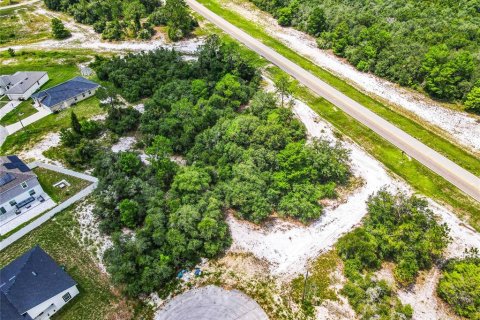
[(21, 25), (61, 66), (98, 298), (433, 140), (48, 178), (23, 110)]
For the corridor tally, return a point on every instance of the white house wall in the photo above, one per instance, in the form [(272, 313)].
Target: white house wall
[(30, 91), (32, 184), (56, 300)]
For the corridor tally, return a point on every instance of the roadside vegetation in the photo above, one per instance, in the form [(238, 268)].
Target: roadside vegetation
[(120, 19), (439, 56), (459, 285), (98, 299), (397, 229)]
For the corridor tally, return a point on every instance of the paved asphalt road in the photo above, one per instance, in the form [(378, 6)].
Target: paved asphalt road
[(212, 303), (463, 179)]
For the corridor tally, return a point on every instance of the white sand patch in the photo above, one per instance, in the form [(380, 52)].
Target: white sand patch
[(35, 152), (423, 298), (463, 127), (90, 234), (139, 107), (336, 310), (124, 144)]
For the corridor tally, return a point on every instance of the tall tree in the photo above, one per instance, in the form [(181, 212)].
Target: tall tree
[(58, 29)]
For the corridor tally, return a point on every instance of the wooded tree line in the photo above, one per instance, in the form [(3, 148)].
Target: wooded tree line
[(430, 46), (254, 160), (118, 19)]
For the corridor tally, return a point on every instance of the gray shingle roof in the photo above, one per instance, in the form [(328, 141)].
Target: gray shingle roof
[(64, 91), (32, 279), (22, 81), (16, 176)]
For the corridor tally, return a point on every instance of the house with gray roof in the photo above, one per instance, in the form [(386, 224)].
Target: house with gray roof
[(65, 94), (19, 188), (22, 84), (34, 286)]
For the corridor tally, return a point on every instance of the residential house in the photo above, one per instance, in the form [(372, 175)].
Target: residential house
[(21, 85), (19, 187), (65, 94), (34, 286)]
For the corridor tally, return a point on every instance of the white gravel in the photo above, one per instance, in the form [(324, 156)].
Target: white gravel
[(463, 127), (124, 144)]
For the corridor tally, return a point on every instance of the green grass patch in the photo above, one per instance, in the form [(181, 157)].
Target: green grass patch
[(433, 140), (317, 288), (60, 66), (22, 111), (20, 25), (98, 299), (48, 178)]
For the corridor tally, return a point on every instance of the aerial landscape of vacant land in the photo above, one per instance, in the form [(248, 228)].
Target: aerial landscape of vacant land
[(239, 159)]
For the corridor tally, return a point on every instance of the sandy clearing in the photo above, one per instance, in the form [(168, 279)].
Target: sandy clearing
[(52, 139), (84, 37), (461, 126), (90, 235), (288, 247), (123, 144)]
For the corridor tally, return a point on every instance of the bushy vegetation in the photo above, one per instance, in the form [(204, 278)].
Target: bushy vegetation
[(399, 229), (439, 55), (58, 29), (117, 19), (254, 160), (460, 285)]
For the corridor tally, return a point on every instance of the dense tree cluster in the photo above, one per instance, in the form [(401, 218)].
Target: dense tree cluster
[(425, 45), (460, 285), (117, 19), (399, 229), (253, 159)]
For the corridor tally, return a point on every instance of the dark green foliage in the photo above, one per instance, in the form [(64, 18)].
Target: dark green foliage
[(11, 52), (58, 29), (460, 286), (440, 54), (116, 19), (122, 120), (236, 158), (472, 103), (399, 229), (76, 126)]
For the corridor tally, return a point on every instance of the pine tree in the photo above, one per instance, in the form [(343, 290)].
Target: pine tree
[(58, 29), (76, 126)]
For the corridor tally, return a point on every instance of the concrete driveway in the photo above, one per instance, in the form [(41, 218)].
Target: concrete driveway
[(212, 303)]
